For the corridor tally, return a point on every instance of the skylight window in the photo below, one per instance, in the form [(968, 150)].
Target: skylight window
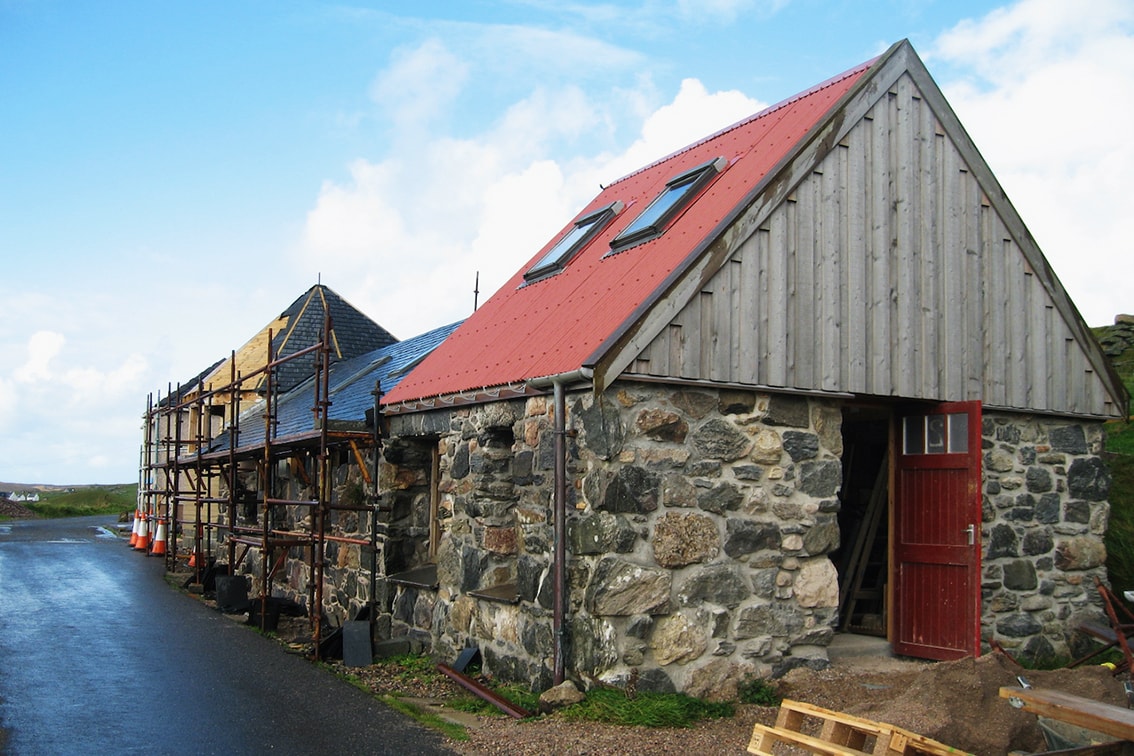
[(678, 193), (575, 239)]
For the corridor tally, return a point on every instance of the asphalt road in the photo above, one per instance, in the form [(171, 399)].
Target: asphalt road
[(98, 655)]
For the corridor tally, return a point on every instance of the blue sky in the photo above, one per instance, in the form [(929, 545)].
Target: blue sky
[(173, 175)]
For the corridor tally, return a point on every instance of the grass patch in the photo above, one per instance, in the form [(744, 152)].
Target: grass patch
[(84, 501), (514, 693), (445, 727), (1120, 437), (1120, 531), (410, 667), (645, 709), (758, 691)]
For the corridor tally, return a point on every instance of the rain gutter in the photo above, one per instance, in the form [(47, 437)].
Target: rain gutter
[(558, 383)]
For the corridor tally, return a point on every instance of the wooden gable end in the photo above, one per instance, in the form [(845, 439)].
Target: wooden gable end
[(891, 265)]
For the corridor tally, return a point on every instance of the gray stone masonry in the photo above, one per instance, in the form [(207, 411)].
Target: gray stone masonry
[(699, 528), (700, 525), (346, 567), (1045, 515)]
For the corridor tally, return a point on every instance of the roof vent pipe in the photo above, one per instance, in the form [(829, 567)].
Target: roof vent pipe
[(558, 382)]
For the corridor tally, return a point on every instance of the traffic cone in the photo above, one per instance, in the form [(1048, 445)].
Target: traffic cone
[(159, 538), (194, 559), (143, 541), (134, 530)]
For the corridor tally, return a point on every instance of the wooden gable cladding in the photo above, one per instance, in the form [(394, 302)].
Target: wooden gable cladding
[(887, 262)]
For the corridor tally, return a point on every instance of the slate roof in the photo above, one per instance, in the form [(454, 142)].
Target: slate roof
[(299, 327), (566, 321), (351, 384)]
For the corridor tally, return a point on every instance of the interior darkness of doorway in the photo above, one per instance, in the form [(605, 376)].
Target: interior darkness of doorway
[(862, 559)]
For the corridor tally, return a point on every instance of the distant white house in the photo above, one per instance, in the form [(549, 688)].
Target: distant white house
[(23, 497)]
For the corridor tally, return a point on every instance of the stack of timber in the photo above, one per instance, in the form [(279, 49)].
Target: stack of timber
[(839, 734)]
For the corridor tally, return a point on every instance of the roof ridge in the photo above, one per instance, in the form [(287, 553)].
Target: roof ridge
[(754, 117)]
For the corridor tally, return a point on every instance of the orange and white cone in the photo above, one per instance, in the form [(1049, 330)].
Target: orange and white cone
[(159, 538), (134, 531), (143, 542)]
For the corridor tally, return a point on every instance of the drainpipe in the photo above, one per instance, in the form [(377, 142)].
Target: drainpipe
[(558, 382)]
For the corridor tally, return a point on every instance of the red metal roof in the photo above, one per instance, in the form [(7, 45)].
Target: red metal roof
[(557, 324)]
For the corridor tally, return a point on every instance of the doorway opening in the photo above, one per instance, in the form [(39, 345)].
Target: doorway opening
[(863, 557)]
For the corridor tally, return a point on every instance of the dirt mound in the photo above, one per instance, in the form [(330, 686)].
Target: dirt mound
[(14, 509), (957, 703)]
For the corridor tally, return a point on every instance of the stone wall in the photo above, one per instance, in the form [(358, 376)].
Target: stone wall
[(700, 524), (1045, 515), (700, 529)]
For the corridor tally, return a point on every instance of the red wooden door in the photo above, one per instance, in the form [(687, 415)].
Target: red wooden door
[(936, 533)]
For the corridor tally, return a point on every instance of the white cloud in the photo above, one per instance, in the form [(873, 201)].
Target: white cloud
[(43, 347), (694, 114), (419, 86), (9, 400), (715, 11), (413, 228), (69, 413), (1046, 90)]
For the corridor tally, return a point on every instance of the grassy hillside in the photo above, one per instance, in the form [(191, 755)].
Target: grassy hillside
[(80, 501), (1118, 343)]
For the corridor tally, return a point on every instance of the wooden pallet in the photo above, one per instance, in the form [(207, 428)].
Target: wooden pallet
[(839, 735)]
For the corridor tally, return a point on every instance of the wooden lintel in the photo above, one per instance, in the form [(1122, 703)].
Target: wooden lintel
[(299, 470), (361, 463)]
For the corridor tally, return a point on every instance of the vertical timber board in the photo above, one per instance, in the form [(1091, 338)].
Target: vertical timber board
[(736, 324), (803, 322), (954, 297), (777, 293), (856, 191), (880, 302), (934, 267), (903, 375), (996, 330), (748, 325), (830, 376)]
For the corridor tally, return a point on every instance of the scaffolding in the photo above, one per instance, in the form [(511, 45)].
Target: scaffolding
[(196, 474)]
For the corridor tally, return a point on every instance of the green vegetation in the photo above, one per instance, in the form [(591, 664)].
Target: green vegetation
[(410, 666), (1120, 437), (1120, 530), (1120, 459), (82, 501), (517, 695), (607, 705), (446, 728), (758, 691), (646, 709)]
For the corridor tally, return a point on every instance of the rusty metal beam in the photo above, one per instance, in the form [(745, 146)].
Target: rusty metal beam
[(480, 691)]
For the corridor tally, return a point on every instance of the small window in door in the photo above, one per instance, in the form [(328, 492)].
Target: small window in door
[(935, 434)]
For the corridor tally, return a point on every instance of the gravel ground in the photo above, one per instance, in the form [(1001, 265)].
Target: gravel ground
[(956, 703)]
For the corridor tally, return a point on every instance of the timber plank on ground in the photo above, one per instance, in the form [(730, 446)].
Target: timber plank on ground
[(833, 733), (1081, 712)]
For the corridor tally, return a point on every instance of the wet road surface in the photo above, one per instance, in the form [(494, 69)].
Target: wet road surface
[(98, 655)]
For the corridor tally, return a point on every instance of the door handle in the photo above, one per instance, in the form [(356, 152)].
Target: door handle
[(970, 532)]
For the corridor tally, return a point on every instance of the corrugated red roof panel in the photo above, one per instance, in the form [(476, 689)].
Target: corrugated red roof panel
[(555, 325)]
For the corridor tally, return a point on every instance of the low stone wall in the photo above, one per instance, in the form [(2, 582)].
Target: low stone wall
[(1045, 515)]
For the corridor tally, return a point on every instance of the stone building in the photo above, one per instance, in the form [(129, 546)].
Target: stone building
[(808, 375)]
